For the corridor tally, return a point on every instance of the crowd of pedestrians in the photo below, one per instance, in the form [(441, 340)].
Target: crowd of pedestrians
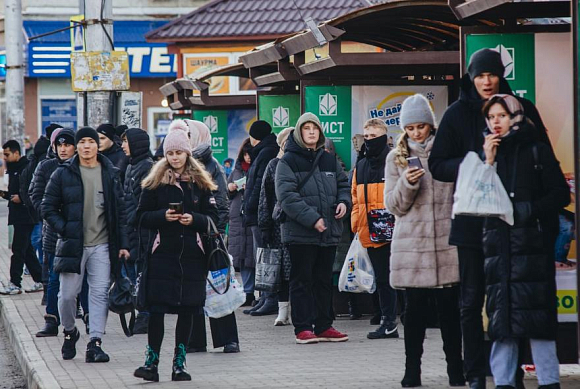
[(103, 205)]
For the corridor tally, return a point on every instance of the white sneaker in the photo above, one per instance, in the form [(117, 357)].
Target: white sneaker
[(12, 289), (36, 287)]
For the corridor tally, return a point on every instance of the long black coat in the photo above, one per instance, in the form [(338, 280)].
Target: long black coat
[(177, 268), (519, 259), (460, 131), (139, 166), (18, 213), (262, 154), (62, 208), (240, 241)]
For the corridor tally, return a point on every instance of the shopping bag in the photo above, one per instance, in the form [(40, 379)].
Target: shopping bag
[(480, 192), (223, 293), (357, 274), (268, 269)]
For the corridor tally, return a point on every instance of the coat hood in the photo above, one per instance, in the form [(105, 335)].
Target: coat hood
[(41, 147), (138, 144), (297, 133), (203, 153)]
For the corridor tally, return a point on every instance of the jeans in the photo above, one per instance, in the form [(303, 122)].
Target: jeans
[(23, 253), (248, 278), (503, 361), (311, 287), (53, 287), (96, 263), (387, 295), (472, 292), (36, 240), (565, 236)]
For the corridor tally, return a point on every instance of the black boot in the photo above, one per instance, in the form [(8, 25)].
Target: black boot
[(149, 371), (94, 352), (455, 374), (249, 300), (141, 324), (551, 386), (258, 305), (50, 327), (412, 376), (477, 383), (179, 373), (68, 349), (270, 307)]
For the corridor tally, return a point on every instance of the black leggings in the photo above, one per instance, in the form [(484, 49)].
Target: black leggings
[(157, 328)]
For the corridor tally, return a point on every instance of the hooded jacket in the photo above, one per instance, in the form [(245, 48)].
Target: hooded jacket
[(262, 154), (372, 170), (39, 154), (421, 256), (139, 166), (18, 213), (460, 131), (318, 197), (204, 155), (519, 259), (117, 156), (62, 208)]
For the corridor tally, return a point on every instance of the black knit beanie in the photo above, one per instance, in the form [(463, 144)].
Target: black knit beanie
[(485, 61), (86, 132), (260, 129), (48, 130), (108, 130), (67, 136)]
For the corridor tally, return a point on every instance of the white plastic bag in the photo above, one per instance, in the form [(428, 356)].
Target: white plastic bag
[(357, 274), (219, 305), (480, 192)]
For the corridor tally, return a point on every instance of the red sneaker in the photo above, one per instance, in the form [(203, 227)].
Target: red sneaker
[(332, 335), (306, 337)]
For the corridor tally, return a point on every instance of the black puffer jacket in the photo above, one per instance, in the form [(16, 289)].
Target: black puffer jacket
[(262, 154), (318, 198), (268, 199), (18, 213), (40, 151), (139, 166), (460, 131), (177, 268), (240, 240), (62, 208), (117, 156), (204, 155), (519, 259)]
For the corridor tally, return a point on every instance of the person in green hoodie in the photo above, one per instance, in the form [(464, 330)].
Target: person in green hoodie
[(314, 196)]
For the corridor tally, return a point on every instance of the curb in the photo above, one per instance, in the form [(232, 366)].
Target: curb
[(37, 374)]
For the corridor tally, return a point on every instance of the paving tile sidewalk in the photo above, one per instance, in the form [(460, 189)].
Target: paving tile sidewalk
[(269, 357)]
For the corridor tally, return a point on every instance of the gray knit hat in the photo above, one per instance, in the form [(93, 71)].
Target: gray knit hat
[(416, 109)]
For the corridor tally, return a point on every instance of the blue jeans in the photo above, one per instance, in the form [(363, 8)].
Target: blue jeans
[(52, 289), (565, 236), (248, 278), (36, 241), (503, 361)]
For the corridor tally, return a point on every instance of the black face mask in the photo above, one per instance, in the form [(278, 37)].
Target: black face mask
[(375, 146)]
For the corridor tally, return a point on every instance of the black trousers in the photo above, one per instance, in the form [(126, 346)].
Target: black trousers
[(311, 287), (23, 253), (416, 319), (223, 331), (472, 294), (380, 258)]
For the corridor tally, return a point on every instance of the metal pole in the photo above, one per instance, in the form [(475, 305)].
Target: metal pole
[(99, 37), (14, 71)]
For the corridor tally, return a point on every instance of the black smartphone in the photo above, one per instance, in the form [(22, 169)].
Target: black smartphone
[(414, 162), (177, 207)]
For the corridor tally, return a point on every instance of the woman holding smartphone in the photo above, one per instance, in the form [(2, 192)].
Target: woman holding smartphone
[(176, 266), (422, 262)]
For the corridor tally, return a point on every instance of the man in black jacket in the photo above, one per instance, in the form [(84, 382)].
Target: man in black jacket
[(23, 219), (83, 202), (64, 145), (110, 149), (460, 131), (265, 148)]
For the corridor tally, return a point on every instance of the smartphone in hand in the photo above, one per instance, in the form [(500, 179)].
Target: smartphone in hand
[(177, 207), (415, 162)]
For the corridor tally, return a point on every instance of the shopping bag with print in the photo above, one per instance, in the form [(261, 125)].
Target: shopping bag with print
[(357, 274)]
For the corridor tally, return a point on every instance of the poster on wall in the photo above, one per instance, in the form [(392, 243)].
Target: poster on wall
[(239, 122), (196, 64), (60, 111), (281, 111)]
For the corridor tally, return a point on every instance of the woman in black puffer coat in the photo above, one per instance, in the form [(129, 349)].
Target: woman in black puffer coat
[(176, 269), (519, 259), (271, 234)]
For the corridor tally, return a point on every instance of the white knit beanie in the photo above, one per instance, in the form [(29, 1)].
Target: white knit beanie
[(416, 109)]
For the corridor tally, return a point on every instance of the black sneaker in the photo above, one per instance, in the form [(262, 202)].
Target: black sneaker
[(69, 350), (386, 330), (95, 353)]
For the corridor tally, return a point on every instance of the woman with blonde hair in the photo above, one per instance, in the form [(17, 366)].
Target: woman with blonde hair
[(176, 202), (422, 262)]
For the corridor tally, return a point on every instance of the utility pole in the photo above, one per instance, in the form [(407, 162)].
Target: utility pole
[(99, 37), (14, 71)]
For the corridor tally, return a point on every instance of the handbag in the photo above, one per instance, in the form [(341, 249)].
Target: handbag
[(121, 300), (380, 221), (268, 269)]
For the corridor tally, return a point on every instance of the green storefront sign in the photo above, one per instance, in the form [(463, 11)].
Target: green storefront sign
[(217, 122), (333, 106), (280, 111), (518, 55)]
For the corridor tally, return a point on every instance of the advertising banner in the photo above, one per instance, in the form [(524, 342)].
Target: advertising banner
[(239, 122), (196, 64), (280, 111)]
